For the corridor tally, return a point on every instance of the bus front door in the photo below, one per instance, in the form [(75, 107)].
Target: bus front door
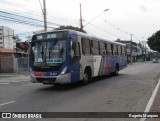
[(75, 61)]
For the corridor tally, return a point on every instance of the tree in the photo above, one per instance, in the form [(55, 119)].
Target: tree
[(154, 41), (16, 38), (70, 27), (142, 47), (29, 37)]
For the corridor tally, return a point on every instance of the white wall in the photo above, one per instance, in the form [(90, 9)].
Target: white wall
[(7, 37)]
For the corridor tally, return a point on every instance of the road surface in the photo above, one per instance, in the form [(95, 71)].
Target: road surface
[(128, 92)]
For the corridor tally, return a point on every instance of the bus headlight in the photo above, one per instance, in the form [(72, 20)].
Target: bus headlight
[(64, 70)]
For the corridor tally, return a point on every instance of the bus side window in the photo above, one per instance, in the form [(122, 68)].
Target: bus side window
[(119, 50), (102, 48), (123, 51), (109, 51), (86, 49), (75, 48), (114, 49), (112, 52), (95, 47), (75, 51)]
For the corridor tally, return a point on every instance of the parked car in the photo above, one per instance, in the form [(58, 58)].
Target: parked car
[(155, 60)]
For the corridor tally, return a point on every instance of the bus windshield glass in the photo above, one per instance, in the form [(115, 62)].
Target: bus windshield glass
[(49, 53)]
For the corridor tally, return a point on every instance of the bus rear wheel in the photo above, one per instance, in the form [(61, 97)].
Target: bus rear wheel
[(116, 70)]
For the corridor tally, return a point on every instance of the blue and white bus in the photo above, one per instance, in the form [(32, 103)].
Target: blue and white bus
[(68, 56)]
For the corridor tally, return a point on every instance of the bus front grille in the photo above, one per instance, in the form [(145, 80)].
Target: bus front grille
[(46, 80)]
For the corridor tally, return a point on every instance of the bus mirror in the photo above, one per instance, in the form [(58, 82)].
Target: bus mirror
[(71, 54), (71, 44)]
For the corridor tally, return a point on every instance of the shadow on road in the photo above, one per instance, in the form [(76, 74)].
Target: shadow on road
[(67, 87)]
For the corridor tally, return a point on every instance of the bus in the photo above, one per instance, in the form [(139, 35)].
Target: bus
[(69, 56)]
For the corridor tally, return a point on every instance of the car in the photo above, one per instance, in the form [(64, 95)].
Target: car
[(155, 60)]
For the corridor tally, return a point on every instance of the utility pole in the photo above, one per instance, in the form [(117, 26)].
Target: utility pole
[(131, 49), (44, 14), (145, 52), (81, 23)]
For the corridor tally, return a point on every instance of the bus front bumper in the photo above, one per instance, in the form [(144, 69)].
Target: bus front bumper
[(61, 79)]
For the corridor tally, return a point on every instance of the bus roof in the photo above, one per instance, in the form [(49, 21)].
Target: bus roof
[(86, 35)]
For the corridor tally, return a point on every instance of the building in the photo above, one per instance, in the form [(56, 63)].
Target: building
[(7, 61), (6, 37), (130, 45)]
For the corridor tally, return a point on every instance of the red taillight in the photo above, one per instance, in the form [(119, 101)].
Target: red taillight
[(38, 73)]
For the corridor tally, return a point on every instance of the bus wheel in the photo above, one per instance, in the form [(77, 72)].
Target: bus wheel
[(86, 77), (116, 71)]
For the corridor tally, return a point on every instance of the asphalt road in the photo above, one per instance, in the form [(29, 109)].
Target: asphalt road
[(128, 92)]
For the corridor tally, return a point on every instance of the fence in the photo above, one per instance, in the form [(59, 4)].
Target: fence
[(22, 65), (14, 65)]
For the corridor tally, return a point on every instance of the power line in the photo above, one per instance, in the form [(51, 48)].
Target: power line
[(20, 4), (32, 13), (5, 15), (20, 22), (23, 22), (20, 16), (40, 6), (104, 30), (119, 29), (27, 17), (11, 19), (27, 8), (31, 23)]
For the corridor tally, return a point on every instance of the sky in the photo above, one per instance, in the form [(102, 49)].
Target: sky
[(125, 17)]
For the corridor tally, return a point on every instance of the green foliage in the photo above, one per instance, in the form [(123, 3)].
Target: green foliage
[(154, 41), (29, 37), (70, 27), (16, 38), (140, 45)]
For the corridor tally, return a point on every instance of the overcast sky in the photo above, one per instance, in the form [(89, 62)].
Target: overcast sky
[(124, 17)]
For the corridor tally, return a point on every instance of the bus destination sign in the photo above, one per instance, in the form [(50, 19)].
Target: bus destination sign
[(50, 36)]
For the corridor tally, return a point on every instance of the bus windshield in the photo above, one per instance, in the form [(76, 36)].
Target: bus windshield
[(49, 53)]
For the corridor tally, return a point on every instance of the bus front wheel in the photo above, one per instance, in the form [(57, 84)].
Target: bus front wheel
[(86, 77)]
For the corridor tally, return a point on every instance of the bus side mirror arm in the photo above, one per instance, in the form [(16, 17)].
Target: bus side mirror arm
[(71, 54)]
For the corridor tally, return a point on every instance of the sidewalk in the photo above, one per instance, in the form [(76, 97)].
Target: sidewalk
[(13, 77)]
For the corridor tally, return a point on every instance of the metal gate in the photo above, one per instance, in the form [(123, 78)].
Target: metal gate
[(22, 65)]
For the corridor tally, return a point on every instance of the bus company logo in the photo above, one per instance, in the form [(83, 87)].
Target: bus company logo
[(6, 115)]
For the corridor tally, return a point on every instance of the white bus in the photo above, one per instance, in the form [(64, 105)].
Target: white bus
[(68, 56)]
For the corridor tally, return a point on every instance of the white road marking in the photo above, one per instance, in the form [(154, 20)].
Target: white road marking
[(7, 103), (4, 83), (151, 100)]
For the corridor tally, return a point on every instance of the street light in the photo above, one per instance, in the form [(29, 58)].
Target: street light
[(95, 17)]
